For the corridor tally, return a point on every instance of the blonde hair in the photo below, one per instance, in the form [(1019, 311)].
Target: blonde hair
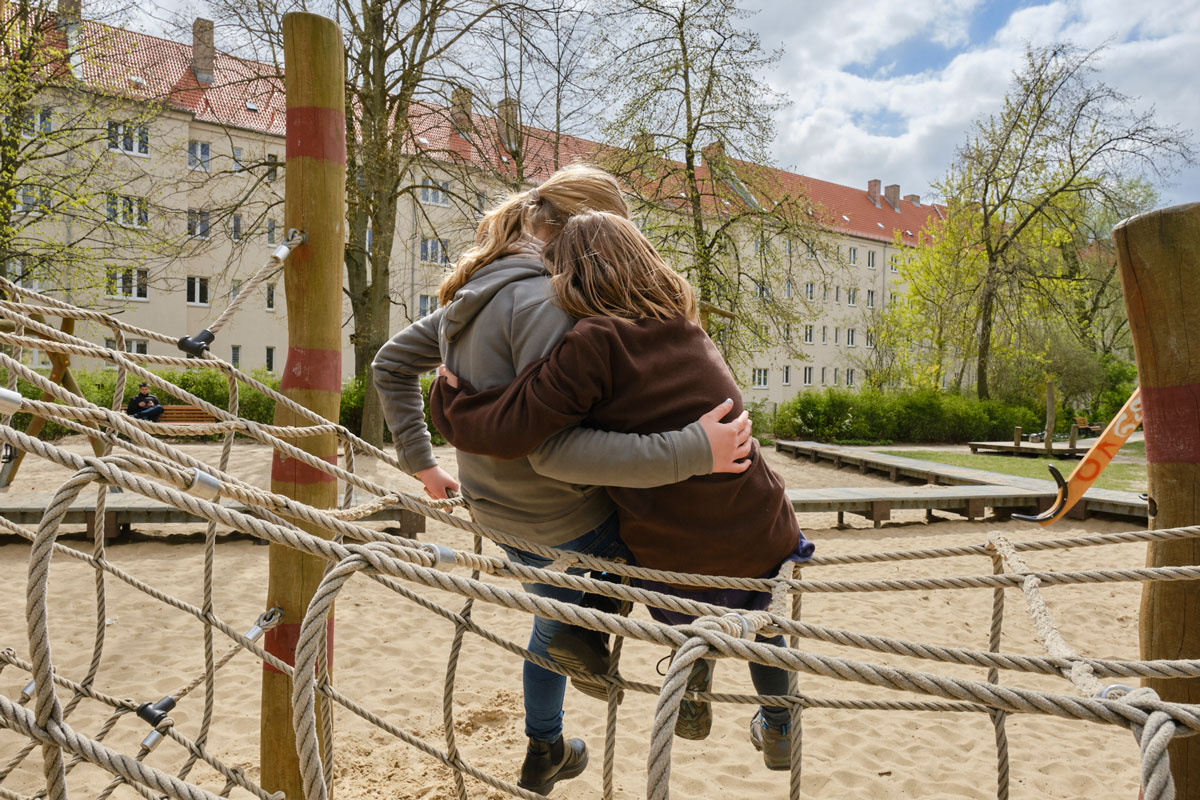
[(602, 266), (569, 191)]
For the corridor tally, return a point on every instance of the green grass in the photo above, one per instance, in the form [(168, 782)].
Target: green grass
[(1121, 477)]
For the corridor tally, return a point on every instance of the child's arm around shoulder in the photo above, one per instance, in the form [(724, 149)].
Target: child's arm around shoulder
[(548, 395)]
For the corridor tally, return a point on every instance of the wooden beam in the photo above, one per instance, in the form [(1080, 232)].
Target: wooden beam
[(1157, 254), (314, 202)]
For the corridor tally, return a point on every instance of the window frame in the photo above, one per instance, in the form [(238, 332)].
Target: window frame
[(434, 192), (760, 378), (197, 286)]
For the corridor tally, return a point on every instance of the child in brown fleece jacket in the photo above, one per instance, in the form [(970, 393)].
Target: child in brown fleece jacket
[(638, 362)]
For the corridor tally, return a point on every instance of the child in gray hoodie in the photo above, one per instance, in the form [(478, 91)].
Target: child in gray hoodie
[(497, 315)]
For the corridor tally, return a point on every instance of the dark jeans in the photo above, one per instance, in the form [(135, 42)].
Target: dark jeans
[(544, 689), (152, 413)]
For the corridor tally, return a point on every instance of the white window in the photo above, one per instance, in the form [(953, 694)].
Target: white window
[(236, 228), (851, 297), (835, 376), (270, 359), (836, 334), (271, 231), (434, 251), (850, 337), (824, 334), (787, 287), (837, 294), (127, 283), (808, 334), (787, 375), (426, 305), (810, 291), (238, 165), (136, 346), (853, 255), (870, 298), (272, 166), (808, 376), (849, 377), (197, 223), (123, 209), (870, 259), (235, 286), (823, 375), (894, 262), (199, 155), (197, 291), (235, 355), (762, 291), (759, 378), (825, 294), (270, 297), (129, 137), (870, 338), (435, 193)]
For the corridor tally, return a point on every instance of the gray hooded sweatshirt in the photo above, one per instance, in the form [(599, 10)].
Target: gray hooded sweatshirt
[(499, 322)]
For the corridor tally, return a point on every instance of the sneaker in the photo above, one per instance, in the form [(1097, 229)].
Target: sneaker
[(584, 650), (773, 741), (695, 716), (547, 763)]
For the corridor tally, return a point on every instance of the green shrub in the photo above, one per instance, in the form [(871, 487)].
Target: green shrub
[(913, 416)]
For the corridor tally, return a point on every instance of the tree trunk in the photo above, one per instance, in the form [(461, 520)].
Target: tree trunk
[(987, 315), (1157, 254)]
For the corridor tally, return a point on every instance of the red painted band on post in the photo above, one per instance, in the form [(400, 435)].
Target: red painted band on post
[(312, 368), (293, 470), (316, 132), (1171, 419), (281, 642)]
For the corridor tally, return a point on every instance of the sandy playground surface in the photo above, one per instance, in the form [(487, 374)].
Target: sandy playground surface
[(391, 656)]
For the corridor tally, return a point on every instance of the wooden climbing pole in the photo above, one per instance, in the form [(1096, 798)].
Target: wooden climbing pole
[(312, 377), (1159, 257)]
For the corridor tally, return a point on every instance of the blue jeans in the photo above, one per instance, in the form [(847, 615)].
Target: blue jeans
[(152, 413), (544, 689)]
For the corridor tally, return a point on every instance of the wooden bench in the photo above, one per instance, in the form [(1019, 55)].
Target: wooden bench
[(1082, 424), (185, 414)]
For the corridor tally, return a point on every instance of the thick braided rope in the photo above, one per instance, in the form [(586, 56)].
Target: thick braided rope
[(273, 264), (1153, 738)]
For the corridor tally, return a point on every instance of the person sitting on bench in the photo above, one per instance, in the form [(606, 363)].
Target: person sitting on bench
[(144, 405)]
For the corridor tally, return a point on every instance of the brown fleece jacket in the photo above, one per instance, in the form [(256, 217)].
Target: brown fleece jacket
[(639, 377)]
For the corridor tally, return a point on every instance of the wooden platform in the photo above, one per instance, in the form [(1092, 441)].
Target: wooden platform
[(979, 488), (1031, 449), (126, 509)]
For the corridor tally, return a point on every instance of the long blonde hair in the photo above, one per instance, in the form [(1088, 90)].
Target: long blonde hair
[(602, 266), (567, 192)]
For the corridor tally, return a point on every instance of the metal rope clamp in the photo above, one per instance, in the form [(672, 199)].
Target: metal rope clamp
[(196, 345), (444, 558), (203, 485), (10, 401), (155, 714)]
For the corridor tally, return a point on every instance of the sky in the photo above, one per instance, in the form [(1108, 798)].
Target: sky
[(885, 89)]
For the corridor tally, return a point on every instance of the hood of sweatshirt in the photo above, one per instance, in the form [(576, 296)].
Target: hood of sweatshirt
[(484, 285)]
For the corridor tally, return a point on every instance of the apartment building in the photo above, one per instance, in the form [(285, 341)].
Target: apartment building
[(205, 174)]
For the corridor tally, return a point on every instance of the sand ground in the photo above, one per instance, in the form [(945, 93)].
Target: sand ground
[(391, 656)]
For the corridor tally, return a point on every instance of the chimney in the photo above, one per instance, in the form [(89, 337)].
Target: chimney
[(714, 153), (915, 199), (873, 191), (510, 127), (892, 193), (69, 12), (203, 52), (461, 102)]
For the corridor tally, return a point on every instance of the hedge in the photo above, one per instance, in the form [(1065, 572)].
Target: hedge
[(209, 385), (916, 416)]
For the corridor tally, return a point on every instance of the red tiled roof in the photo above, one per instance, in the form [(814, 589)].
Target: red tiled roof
[(166, 69)]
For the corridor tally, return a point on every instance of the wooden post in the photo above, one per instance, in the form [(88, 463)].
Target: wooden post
[(315, 197), (1074, 436), (1157, 254), (1017, 436)]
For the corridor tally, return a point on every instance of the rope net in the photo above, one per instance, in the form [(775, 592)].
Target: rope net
[(135, 458)]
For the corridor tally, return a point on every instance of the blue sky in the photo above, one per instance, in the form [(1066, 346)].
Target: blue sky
[(884, 89)]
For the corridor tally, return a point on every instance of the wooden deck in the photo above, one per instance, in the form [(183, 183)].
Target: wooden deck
[(127, 509), (1031, 449), (979, 488)]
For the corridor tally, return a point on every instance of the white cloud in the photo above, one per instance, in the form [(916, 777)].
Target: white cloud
[(1150, 56)]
